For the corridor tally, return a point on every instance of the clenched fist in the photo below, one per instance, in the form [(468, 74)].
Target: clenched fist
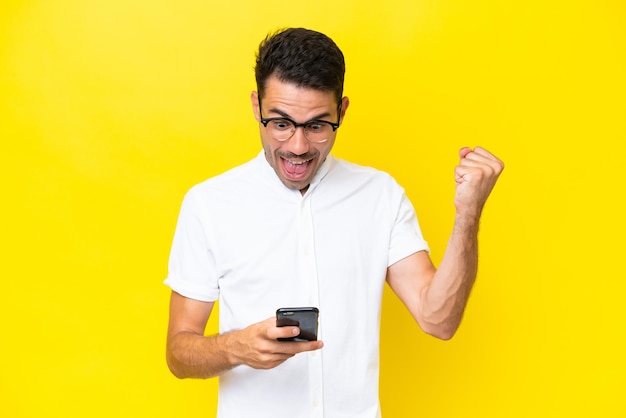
[(475, 176)]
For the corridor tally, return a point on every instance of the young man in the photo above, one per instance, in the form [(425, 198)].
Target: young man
[(297, 227)]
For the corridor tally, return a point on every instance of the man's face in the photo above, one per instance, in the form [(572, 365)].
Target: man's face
[(297, 159)]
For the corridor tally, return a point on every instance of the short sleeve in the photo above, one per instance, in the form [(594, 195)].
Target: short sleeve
[(406, 236), (191, 267)]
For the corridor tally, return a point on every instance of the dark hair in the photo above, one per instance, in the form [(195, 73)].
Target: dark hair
[(303, 57)]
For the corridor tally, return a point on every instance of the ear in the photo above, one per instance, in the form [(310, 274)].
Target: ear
[(254, 99), (345, 102)]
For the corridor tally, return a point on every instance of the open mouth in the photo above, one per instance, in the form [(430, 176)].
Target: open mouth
[(295, 169)]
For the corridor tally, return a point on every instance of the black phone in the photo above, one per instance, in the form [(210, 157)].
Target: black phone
[(304, 318)]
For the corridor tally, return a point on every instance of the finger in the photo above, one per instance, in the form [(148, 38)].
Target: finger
[(471, 158), (474, 156), (269, 360), (270, 331), (281, 351), (485, 153), (482, 151), (490, 166), (464, 151), (474, 171), (283, 332), (462, 174), (295, 347), (481, 155), (310, 346), (273, 332)]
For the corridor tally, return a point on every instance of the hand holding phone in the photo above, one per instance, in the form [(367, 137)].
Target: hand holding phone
[(305, 318)]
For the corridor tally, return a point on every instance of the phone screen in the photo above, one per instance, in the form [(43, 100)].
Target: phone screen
[(306, 318)]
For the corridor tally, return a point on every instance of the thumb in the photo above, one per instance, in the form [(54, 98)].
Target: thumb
[(464, 151)]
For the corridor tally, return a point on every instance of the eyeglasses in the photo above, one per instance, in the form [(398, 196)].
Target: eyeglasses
[(283, 128)]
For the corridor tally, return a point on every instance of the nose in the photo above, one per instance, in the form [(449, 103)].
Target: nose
[(298, 144)]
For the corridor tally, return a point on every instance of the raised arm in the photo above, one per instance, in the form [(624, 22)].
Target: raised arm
[(437, 297), (191, 354)]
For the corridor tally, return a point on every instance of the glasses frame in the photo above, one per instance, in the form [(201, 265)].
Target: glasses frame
[(303, 125)]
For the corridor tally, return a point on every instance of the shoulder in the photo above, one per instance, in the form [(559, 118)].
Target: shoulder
[(344, 171), (231, 182)]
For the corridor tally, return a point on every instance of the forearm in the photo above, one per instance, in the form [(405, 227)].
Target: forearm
[(190, 355), (437, 297), (444, 300)]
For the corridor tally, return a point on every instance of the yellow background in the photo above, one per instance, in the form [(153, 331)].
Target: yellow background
[(110, 110)]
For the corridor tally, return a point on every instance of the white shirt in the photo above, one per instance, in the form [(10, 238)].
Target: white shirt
[(246, 240)]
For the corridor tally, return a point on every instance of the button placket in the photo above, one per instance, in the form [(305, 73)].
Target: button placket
[(308, 271)]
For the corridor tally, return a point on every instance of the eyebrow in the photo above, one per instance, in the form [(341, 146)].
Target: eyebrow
[(287, 116)]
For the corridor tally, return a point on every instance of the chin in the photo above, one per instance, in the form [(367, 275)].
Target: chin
[(294, 185)]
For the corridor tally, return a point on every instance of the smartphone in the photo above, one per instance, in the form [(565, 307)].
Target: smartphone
[(303, 318)]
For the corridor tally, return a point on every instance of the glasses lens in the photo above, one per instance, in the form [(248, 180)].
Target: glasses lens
[(318, 131), (281, 129)]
